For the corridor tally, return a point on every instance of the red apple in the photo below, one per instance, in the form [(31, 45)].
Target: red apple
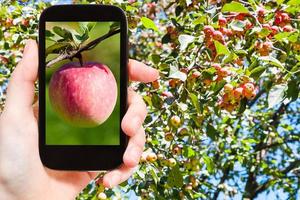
[(83, 96)]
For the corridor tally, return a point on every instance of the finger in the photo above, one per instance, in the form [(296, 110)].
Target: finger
[(134, 149), (35, 108), (20, 92), (135, 114), (117, 176), (140, 72)]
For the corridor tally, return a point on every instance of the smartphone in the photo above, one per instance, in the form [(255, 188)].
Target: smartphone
[(82, 86)]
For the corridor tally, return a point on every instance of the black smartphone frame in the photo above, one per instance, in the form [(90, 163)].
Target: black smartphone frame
[(82, 157)]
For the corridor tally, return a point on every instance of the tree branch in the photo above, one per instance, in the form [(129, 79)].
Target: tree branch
[(76, 53), (223, 179), (286, 170)]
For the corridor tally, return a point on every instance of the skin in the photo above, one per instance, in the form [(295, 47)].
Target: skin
[(22, 175), (78, 94)]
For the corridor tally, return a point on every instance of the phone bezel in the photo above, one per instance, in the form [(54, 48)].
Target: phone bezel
[(82, 157)]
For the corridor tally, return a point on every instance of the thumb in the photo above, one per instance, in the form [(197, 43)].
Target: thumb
[(20, 91)]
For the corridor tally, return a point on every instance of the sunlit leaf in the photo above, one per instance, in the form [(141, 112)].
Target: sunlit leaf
[(185, 40), (148, 23), (276, 95), (235, 7)]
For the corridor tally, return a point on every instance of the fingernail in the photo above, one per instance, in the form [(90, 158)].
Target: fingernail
[(114, 180)]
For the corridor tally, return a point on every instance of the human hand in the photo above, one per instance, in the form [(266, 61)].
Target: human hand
[(22, 175)]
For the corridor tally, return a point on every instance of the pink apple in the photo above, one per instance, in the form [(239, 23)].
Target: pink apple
[(83, 96)]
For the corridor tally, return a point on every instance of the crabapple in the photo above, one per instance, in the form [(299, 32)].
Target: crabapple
[(208, 30), (102, 196), (228, 88), (248, 87), (83, 96), (175, 121), (196, 74), (222, 21), (169, 136), (238, 93), (217, 35), (155, 84), (151, 157), (171, 162)]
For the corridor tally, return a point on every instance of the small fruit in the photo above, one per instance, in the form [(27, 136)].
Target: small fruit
[(173, 83), (288, 28), (217, 35), (207, 82), (102, 196), (160, 156), (25, 22), (238, 93), (222, 21), (250, 95), (155, 84), (228, 88), (188, 187), (176, 150), (217, 66), (208, 30), (248, 87), (151, 157), (196, 74), (169, 136), (175, 121), (183, 132), (171, 162)]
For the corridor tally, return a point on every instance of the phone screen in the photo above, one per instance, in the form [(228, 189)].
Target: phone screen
[(82, 90)]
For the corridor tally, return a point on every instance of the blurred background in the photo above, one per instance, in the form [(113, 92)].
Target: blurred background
[(107, 52)]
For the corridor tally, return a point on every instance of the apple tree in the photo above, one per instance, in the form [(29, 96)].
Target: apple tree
[(224, 116)]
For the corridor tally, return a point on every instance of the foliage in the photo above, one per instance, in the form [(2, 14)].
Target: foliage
[(224, 116)]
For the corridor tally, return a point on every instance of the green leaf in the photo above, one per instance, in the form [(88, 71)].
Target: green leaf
[(114, 26), (154, 175), (237, 25), (83, 37), (276, 95), (211, 132), (175, 178), (221, 49), (209, 164), (188, 152), (57, 47), (293, 90), (148, 23), (64, 33), (272, 61), (185, 40), (232, 56), (294, 3), (195, 101), (257, 72), (281, 36), (155, 58), (235, 7), (243, 105), (166, 39), (175, 73), (156, 101), (86, 26), (48, 34)]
